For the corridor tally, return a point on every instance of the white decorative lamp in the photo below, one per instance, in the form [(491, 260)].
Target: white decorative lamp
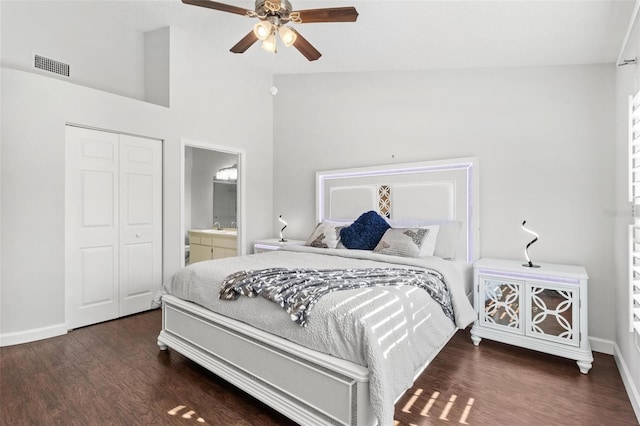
[(282, 240), (529, 263)]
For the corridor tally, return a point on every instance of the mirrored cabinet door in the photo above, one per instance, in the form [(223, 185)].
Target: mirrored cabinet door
[(502, 303), (552, 313)]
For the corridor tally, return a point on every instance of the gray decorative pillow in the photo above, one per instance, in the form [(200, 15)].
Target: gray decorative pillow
[(404, 242), (446, 236), (326, 234)]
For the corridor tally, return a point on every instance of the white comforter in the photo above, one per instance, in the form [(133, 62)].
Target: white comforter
[(391, 330)]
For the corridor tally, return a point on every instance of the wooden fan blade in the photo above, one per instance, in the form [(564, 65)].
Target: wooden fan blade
[(219, 6), (246, 42), (332, 14), (304, 47)]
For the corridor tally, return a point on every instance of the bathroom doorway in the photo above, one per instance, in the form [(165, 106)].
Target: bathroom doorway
[(212, 206)]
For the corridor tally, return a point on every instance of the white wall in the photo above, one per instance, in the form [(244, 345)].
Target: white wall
[(543, 137), (157, 64), (102, 54), (627, 356), (209, 90)]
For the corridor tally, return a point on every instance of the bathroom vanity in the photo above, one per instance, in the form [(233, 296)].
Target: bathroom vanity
[(207, 244)]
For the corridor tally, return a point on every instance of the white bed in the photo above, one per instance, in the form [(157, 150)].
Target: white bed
[(293, 369)]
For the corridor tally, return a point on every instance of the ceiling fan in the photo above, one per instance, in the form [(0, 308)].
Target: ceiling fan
[(273, 16)]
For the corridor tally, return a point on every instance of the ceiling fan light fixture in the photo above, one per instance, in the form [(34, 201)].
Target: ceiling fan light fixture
[(269, 44), (262, 30), (288, 36), (273, 16)]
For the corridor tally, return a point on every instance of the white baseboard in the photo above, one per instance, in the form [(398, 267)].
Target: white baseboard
[(629, 385), (26, 336), (601, 345)]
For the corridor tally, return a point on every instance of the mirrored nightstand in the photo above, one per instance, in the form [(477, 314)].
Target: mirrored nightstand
[(543, 309)]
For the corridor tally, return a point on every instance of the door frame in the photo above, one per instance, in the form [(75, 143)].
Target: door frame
[(242, 154)]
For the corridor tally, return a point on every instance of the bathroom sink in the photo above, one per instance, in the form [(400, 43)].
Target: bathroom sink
[(221, 231)]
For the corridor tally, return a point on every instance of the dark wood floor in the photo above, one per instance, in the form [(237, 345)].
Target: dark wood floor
[(113, 374)]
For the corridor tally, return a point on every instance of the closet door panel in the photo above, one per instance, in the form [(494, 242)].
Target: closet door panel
[(92, 226), (137, 267), (97, 277), (140, 222)]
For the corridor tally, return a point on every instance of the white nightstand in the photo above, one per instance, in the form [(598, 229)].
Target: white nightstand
[(543, 309), (269, 244)]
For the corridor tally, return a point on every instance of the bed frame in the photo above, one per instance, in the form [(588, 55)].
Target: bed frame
[(319, 389)]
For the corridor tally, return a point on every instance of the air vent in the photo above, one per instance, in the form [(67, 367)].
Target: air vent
[(51, 65)]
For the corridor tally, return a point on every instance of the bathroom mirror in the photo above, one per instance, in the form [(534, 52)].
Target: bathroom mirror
[(225, 198)]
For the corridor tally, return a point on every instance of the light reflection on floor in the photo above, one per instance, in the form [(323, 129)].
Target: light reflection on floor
[(426, 410), (186, 415)]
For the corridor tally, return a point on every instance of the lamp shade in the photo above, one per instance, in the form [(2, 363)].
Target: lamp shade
[(262, 30), (269, 44), (288, 36)]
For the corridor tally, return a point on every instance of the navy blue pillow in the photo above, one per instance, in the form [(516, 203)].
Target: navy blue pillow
[(365, 232)]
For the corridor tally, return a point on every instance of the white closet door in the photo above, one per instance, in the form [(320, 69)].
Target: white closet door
[(140, 222), (92, 226), (113, 224)]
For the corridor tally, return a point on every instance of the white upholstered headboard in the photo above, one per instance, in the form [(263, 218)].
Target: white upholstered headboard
[(408, 193)]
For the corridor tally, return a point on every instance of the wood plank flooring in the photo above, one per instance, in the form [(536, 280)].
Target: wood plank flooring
[(114, 374)]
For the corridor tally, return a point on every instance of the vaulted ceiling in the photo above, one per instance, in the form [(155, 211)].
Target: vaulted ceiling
[(410, 35)]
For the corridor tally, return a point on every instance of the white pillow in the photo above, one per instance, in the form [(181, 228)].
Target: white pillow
[(326, 234), (448, 237)]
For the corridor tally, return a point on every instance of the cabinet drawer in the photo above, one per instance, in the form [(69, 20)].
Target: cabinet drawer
[(194, 240), (206, 241)]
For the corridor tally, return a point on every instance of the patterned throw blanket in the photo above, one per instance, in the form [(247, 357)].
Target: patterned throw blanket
[(298, 289)]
